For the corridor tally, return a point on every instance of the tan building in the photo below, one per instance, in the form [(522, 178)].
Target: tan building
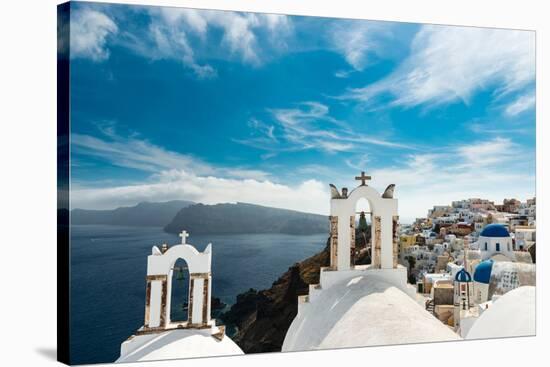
[(441, 264), (443, 298), (461, 229)]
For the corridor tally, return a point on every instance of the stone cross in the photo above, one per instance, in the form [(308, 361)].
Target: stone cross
[(362, 178), (183, 236)]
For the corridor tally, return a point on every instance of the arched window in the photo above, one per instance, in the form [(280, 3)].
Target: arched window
[(485, 246), (498, 247), (179, 307), (363, 223)]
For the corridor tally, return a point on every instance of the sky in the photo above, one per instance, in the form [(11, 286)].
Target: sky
[(214, 106)]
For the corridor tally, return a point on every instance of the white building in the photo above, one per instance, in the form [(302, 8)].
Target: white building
[(495, 239), (362, 305), (163, 338), (440, 248), (363, 310), (524, 237), (511, 315), (482, 278)]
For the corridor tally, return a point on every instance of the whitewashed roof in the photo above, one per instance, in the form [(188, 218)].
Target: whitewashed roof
[(363, 311), (176, 344), (512, 314)]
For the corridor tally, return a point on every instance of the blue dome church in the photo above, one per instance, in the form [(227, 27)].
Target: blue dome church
[(495, 239), (463, 295), (482, 278)]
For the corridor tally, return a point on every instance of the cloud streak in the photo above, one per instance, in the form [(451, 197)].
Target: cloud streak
[(90, 30), (449, 64), (309, 196), (178, 176), (490, 169), (523, 103), (310, 127), (183, 35), (139, 154), (357, 41), (493, 169)]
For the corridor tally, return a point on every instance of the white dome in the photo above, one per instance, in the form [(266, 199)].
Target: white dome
[(363, 311), (176, 344), (512, 314)]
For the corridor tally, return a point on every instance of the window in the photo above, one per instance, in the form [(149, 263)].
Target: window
[(485, 246), (498, 246), (508, 246)]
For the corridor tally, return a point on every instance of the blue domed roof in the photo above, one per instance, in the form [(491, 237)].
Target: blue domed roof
[(482, 274), (463, 276), (494, 230)]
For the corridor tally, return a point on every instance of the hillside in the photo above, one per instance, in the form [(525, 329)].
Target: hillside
[(262, 318), (245, 218), (143, 214)]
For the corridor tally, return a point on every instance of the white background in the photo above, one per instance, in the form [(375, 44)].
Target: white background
[(28, 181)]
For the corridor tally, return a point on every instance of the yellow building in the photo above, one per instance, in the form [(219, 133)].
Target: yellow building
[(406, 241)]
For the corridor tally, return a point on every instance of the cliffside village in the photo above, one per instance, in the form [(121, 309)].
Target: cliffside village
[(487, 249), (467, 271)]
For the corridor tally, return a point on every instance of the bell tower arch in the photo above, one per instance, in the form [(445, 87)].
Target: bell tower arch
[(160, 270), (384, 221)]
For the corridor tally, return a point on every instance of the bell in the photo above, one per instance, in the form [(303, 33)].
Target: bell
[(180, 274)]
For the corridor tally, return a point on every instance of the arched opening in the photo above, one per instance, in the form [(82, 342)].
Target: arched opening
[(363, 232), (179, 290)]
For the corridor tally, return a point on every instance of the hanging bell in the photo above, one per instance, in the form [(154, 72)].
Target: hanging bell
[(180, 274)]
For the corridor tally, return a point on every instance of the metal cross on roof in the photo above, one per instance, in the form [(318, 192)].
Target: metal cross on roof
[(183, 236), (362, 178)]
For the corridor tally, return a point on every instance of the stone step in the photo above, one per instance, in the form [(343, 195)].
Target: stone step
[(303, 302), (314, 290)]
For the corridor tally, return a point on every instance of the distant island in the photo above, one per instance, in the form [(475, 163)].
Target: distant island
[(245, 218), (143, 214)]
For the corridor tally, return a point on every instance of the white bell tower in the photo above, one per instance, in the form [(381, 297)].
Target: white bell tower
[(384, 221)]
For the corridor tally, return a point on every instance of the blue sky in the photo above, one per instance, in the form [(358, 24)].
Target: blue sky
[(212, 106)]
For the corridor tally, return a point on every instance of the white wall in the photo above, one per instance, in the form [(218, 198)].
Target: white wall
[(506, 246), (344, 208), (155, 303), (162, 264)]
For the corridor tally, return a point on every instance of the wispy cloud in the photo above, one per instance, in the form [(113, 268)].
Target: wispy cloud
[(169, 30), (135, 153), (492, 169), (184, 35), (241, 32), (90, 30), (449, 64), (310, 195), (310, 126), (343, 74), (178, 176), (523, 103), (358, 163), (357, 41), (499, 129)]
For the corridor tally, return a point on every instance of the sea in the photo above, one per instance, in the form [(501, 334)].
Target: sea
[(109, 266)]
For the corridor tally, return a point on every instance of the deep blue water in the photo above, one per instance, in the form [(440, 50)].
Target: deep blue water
[(108, 269)]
